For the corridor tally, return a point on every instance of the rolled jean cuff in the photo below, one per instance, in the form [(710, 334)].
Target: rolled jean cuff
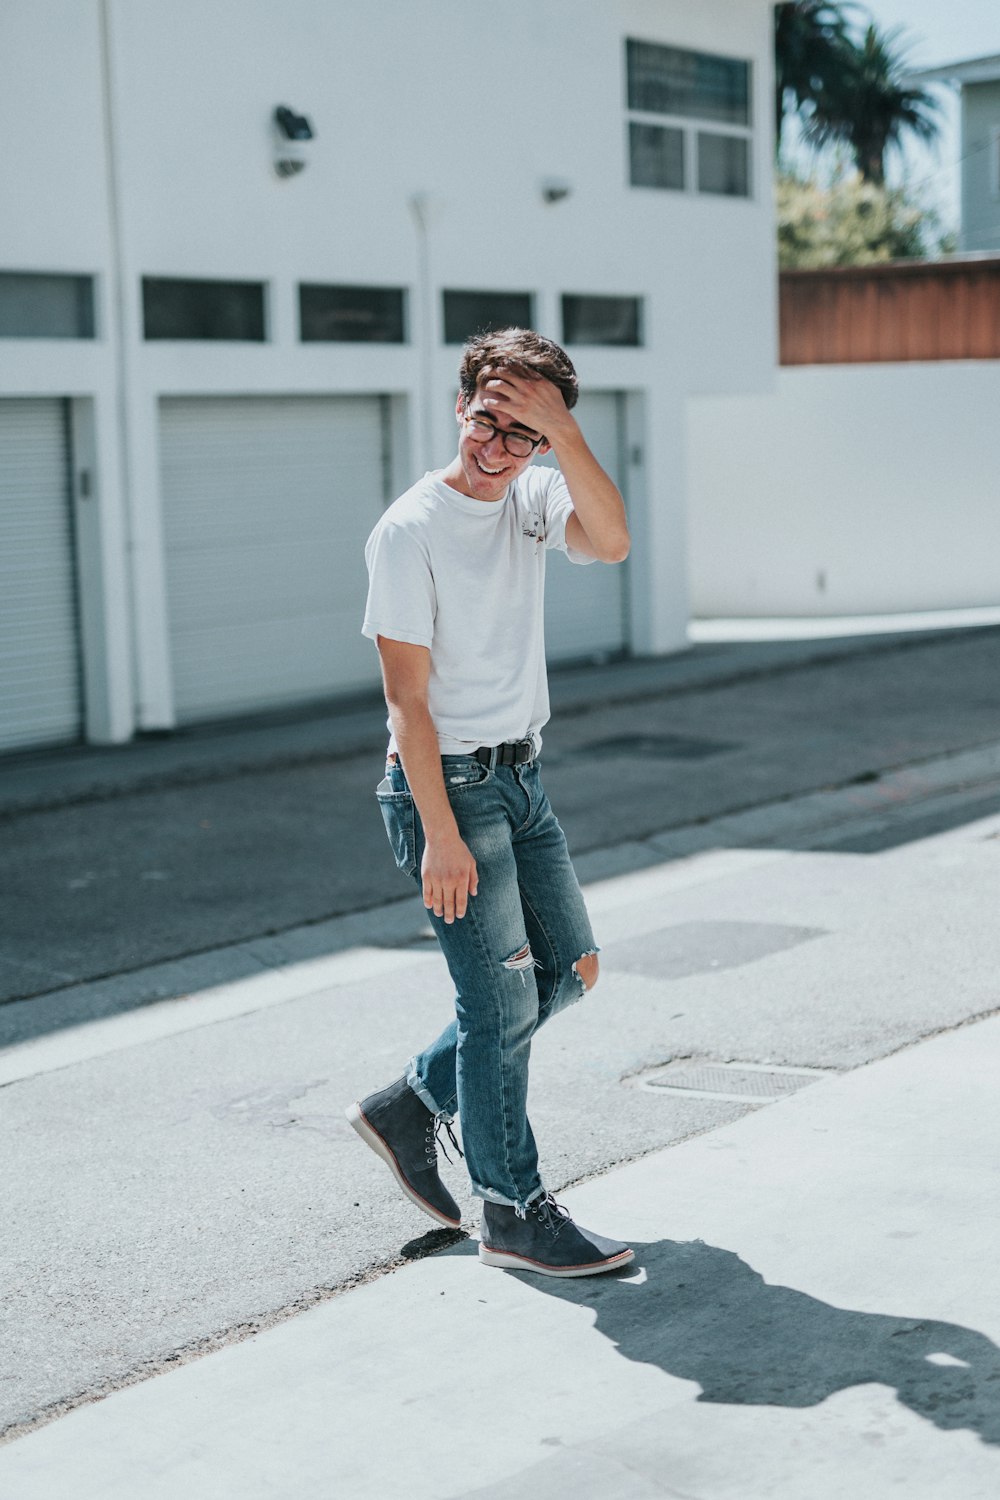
[(492, 1196), (418, 1086)]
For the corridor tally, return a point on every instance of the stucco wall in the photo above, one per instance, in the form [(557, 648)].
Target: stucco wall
[(151, 155), (853, 489)]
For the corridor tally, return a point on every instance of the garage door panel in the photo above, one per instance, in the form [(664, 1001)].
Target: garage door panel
[(257, 522), (585, 605), (283, 651), (267, 506), (286, 463), (246, 585), (39, 632)]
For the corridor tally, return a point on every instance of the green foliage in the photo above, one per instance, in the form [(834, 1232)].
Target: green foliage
[(847, 91), (810, 38), (850, 223), (868, 106)]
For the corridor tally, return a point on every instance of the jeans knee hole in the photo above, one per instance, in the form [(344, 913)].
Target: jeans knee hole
[(521, 961), (586, 970)]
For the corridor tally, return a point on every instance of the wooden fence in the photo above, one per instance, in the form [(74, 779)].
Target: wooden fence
[(904, 310)]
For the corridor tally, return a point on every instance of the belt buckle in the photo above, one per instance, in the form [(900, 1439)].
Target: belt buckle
[(511, 753)]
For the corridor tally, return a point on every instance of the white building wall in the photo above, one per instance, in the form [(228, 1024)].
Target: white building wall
[(153, 156), (855, 489), (52, 169), (55, 217)]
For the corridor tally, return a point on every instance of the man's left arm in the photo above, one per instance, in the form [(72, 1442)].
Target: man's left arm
[(597, 525)]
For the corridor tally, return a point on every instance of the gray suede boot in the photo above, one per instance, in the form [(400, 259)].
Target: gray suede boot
[(402, 1131), (546, 1241)]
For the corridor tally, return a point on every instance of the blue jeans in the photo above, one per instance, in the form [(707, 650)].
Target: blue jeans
[(512, 961)]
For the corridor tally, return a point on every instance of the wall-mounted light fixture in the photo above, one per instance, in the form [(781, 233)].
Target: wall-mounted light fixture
[(555, 189), (292, 134)]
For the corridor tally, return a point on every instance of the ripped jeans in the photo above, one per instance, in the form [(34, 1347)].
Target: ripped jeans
[(512, 961)]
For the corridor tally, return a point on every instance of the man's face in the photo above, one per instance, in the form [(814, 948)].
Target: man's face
[(487, 468)]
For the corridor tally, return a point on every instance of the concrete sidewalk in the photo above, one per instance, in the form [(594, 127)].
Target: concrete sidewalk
[(813, 1311)]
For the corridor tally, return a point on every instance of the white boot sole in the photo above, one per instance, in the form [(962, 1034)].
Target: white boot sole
[(511, 1262), (372, 1139)]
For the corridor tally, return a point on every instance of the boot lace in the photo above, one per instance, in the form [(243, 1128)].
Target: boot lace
[(433, 1139), (550, 1215)]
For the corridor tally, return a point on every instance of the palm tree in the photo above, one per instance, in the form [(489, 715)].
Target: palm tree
[(868, 105), (811, 48)]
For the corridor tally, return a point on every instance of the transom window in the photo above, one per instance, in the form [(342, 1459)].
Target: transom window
[(35, 305), (689, 120), (352, 314), (469, 313), (182, 308), (601, 320)]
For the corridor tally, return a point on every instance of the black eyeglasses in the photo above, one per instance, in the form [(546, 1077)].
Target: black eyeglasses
[(517, 444)]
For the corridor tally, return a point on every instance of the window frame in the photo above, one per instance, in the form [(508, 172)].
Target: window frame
[(83, 287), (724, 135), (691, 126), (494, 291), (263, 287), (637, 300), (401, 292)]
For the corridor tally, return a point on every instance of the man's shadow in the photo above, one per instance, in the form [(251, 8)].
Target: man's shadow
[(704, 1315)]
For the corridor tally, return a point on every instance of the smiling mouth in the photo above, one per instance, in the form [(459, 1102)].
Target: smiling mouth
[(491, 473)]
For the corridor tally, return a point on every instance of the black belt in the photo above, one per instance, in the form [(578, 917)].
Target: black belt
[(516, 754)]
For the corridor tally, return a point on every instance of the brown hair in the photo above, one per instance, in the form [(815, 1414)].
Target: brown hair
[(523, 352)]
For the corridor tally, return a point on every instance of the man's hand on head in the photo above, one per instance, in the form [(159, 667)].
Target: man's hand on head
[(531, 400), (597, 525)]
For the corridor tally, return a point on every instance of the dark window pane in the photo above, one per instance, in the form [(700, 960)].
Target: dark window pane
[(601, 320), (35, 306), (724, 164), (656, 155), (468, 313), (673, 81), (351, 314), (182, 309)]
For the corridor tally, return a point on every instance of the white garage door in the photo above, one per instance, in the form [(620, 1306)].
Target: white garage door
[(40, 694), (586, 608), (267, 503)]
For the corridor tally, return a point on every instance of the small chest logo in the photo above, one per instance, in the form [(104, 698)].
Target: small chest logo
[(532, 527)]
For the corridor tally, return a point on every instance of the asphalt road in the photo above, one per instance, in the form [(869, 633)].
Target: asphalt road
[(112, 885)]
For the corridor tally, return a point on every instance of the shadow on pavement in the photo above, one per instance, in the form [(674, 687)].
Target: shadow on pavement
[(893, 835), (702, 1314), (434, 1241)]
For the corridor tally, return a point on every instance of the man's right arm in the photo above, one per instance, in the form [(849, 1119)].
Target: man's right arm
[(448, 870)]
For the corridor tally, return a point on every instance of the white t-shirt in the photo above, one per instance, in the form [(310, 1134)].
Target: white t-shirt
[(466, 578)]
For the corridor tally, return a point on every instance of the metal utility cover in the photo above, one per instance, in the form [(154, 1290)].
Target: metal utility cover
[(752, 1083)]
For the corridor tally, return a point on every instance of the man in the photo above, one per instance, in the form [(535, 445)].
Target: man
[(457, 569)]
